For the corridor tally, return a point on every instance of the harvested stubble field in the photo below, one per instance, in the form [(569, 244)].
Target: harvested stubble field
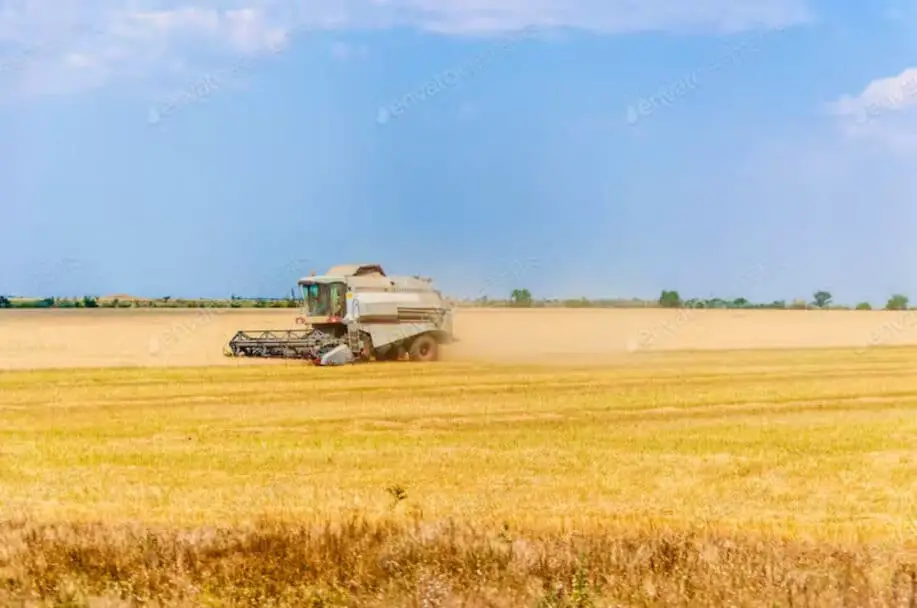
[(183, 337), (769, 477)]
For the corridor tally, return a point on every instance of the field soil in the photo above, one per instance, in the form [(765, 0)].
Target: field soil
[(150, 337)]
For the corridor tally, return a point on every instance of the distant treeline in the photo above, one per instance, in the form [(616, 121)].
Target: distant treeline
[(821, 300), (518, 298), (167, 302)]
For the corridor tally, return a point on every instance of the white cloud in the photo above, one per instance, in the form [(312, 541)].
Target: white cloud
[(607, 16), (46, 50), (147, 37), (252, 31), (880, 96), (885, 111)]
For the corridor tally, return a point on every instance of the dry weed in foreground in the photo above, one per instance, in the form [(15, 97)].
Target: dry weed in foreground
[(359, 563)]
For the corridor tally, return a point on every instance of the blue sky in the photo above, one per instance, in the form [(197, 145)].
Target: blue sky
[(762, 148)]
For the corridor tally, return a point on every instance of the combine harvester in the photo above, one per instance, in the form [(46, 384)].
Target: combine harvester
[(358, 313)]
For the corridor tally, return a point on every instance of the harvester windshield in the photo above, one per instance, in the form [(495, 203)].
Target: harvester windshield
[(325, 299)]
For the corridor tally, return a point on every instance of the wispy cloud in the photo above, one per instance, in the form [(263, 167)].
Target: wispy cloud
[(146, 38), (21, 55), (53, 55), (606, 16)]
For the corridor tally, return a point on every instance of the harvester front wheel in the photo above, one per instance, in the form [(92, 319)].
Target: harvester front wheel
[(424, 348), (393, 353)]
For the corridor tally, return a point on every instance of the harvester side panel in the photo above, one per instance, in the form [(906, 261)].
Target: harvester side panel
[(391, 317), (383, 334)]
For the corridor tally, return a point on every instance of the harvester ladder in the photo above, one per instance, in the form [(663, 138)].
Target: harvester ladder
[(353, 338)]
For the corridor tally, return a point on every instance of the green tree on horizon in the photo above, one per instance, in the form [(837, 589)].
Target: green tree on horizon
[(521, 297), (669, 299), (822, 298), (897, 302)]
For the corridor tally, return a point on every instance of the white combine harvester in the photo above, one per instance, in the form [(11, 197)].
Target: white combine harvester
[(358, 313)]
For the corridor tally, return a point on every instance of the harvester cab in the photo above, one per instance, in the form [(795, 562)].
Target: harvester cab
[(358, 313), (323, 301)]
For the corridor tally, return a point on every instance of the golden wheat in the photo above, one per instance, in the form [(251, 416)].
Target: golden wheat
[(687, 478), (384, 563)]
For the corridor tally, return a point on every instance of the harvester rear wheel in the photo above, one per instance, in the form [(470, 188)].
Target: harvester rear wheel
[(424, 348)]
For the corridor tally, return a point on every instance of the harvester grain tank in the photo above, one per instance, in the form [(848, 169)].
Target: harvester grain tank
[(358, 313)]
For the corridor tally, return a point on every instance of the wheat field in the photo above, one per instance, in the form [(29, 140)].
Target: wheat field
[(182, 337), (137, 464)]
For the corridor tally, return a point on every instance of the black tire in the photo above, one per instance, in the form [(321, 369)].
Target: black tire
[(424, 348), (391, 353)]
